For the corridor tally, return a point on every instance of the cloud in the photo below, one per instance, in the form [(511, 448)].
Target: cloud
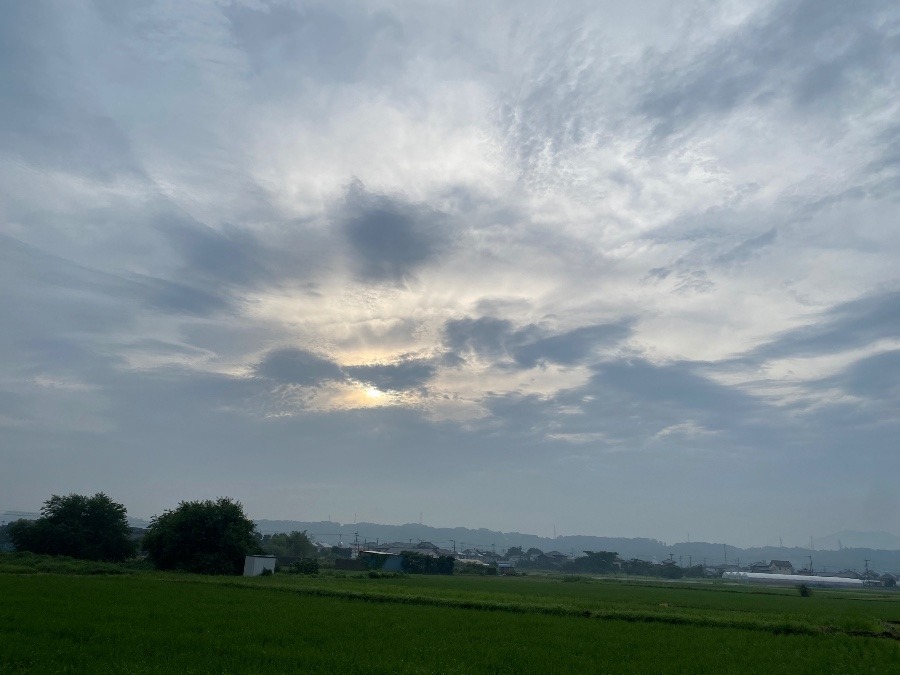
[(485, 336), (48, 121), (849, 325), (390, 238), (571, 347), (232, 255), (400, 376), (532, 344), (298, 366), (876, 377), (810, 53), (326, 42), (664, 233)]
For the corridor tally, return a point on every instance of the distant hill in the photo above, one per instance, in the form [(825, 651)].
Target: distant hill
[(881, 560), (853, 539)]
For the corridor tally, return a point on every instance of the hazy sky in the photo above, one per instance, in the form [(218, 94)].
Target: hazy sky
[(622, 268)]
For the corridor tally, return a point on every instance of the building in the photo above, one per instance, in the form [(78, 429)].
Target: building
[(781, 567), (255, 565)]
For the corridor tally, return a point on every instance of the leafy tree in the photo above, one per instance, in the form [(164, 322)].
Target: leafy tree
[(207, 537), (6, 543), (515, 550), (595, 562), (534, 551), (90, 528), (293, 545)]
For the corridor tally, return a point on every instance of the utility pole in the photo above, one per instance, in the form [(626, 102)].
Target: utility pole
[(690, 562), (866, 582), (680, 564), (725, 548), (356, 539), (810, 565), (454, 546)]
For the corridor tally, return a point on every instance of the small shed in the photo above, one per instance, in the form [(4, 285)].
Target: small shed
[(506, 567), (254, 565)]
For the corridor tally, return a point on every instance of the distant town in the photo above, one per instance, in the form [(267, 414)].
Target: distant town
[(486, 552)]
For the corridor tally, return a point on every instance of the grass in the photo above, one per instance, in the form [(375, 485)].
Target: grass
[(146, 622)]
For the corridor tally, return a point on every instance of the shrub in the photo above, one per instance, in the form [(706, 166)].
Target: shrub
[(804, 590), (305, 566)]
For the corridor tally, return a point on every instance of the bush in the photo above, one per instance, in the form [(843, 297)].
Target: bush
[(804, 590), (33, 563), (305, 566)]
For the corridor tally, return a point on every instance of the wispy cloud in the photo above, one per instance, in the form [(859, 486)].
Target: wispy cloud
[(430, 242)]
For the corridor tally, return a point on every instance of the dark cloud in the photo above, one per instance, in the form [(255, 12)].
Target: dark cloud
[(102, 291), (486, 336), (876, 376), (396, 376), (298, 366), (175, 298), (570, 347), (633, 405), (390, 238), (530, 345), (231, 255), (850, 325)]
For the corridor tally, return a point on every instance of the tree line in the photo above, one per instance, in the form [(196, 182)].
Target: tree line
[(209, 536)]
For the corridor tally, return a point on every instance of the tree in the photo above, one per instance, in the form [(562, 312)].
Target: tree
[(207, 537), (6, 542), (293, 545), (598, 562), (90, 528), (515, 550)]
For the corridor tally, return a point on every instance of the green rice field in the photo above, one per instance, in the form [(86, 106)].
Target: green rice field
[(146, 622)]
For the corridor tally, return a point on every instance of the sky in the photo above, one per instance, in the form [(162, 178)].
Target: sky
[(623, 269)]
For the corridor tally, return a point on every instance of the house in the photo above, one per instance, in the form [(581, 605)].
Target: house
[(551, 560), (423, 547), (781, 567)]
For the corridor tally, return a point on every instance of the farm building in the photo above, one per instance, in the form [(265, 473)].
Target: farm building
[(254, 565)]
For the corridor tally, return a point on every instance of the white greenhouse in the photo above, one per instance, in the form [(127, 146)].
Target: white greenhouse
[(781, 579)]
